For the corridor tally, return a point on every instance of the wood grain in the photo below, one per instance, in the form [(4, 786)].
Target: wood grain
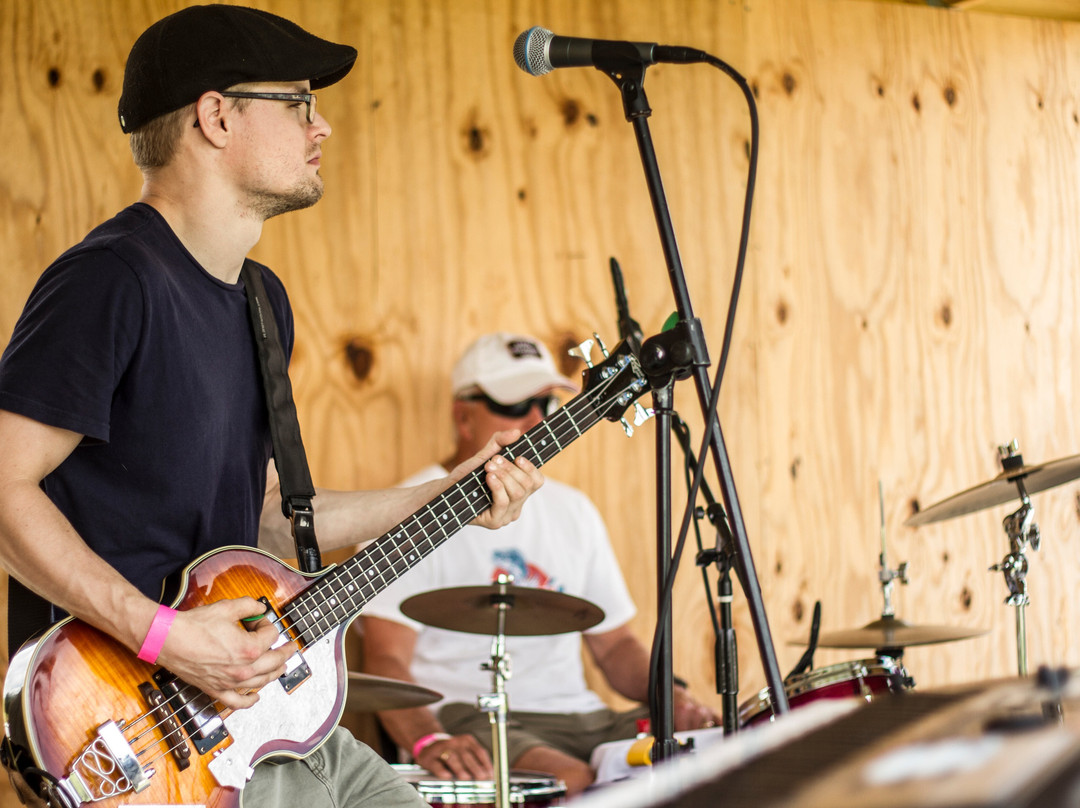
[(909, 302)]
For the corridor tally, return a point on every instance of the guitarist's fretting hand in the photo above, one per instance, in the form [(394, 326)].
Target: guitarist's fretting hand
[(510, 483), (210, 649)]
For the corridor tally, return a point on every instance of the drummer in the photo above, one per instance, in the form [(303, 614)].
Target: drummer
[(509, 381)]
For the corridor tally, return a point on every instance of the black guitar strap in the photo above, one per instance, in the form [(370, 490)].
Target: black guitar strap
[(297, 489)]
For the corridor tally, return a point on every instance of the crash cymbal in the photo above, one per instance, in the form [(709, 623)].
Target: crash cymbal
[(531, 612), (890, 632), (369, 693), (1000, 490)]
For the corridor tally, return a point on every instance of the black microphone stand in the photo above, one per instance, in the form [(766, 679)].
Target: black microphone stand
[(725, 653), (680, 353)]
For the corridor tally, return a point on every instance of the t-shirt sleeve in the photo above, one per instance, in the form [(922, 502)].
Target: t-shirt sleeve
[(72, 344)]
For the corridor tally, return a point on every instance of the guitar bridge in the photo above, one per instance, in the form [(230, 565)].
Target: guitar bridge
[(200, 721)]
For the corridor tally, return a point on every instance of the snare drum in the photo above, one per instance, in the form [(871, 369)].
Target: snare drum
[(864, 678), (526, 788)]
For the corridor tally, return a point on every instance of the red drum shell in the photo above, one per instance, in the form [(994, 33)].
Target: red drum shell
[(864, 678)]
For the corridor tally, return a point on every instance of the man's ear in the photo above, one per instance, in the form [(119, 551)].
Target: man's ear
[(212, 117), (461, 416)]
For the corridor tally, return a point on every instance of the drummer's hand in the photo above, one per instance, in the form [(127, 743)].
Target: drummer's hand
[(460, 757), (691, 714)]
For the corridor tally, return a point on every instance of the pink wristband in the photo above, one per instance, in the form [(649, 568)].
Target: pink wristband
[(155, 637), (423, 743)]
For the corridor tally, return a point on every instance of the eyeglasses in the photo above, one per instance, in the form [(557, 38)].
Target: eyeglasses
[(298, 98), (547, 404)]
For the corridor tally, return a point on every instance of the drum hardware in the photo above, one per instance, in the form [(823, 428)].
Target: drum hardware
[(368, 693), (495, 703), (527, 788), (501, 610), (889, 635), (1016, 480)]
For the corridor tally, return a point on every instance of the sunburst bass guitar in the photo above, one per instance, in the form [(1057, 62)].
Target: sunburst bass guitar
[(88, 722)]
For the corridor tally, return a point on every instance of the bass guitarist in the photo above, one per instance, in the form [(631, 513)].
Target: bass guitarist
[(133, 431)]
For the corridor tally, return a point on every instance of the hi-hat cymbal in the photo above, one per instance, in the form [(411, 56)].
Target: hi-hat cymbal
[(530, 612), (890, 632), (369, 693), (1000, 490)]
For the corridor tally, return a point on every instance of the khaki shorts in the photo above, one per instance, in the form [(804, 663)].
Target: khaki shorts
[(342, 773), (575, 734)]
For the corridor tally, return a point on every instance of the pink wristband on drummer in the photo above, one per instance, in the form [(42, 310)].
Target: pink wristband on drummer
[(155, 637), (423, 743)]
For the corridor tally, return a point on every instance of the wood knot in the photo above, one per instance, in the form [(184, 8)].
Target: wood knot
[(966, 599), (798, 610), (950, 95), (570, 110), (915, 102), (53, 77), (569, 366), (945, 314), (97, 78), (475, 139), (782, 312), (360, 357), (788, 82)]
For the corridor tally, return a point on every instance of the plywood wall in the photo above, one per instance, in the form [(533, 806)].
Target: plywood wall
[(909, 300)]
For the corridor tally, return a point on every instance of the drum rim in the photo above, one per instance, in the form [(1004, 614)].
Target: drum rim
[(881, 666)]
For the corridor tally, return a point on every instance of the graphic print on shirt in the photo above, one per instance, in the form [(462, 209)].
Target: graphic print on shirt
[(512, 561)]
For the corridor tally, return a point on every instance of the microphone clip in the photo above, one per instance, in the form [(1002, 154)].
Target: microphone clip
[(671, 355)]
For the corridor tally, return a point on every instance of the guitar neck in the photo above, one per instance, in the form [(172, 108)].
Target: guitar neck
[(343, 592)]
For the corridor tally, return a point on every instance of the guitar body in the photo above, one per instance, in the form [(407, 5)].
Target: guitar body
[(74, 679)]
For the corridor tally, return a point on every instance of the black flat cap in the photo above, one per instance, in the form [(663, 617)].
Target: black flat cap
[(214, 47)]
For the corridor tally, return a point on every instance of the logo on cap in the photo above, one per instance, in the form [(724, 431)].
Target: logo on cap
[(523, 349)]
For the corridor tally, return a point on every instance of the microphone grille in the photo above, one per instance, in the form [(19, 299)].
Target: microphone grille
[(531, 50)]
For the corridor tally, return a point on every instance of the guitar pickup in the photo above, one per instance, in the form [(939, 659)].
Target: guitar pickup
[(201, 721), (297, 671)]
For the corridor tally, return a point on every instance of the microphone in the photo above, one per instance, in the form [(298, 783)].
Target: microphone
[(537, 51), (628, 326)]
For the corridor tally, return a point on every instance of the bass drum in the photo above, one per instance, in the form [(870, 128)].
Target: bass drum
[(864, 678), (526, 788)]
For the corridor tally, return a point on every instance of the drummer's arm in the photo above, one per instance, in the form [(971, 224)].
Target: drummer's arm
[(388, 649), (625, 664)]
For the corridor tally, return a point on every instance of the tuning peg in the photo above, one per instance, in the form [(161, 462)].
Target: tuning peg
[(583, 352), (601, 345), (642, 414)]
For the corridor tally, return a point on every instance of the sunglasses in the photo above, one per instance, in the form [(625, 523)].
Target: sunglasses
[(547, 404)]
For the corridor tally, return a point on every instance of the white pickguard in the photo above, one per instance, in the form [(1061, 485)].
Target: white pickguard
[(278, 715)]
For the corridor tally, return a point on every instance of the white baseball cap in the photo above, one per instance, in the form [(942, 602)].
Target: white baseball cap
[(507, 367)]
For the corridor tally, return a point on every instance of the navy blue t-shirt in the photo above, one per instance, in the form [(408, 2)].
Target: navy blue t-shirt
[(127, 340)]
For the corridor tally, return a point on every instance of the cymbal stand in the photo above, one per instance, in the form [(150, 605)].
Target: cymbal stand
[(1021, 529), (496, 704), (886, 576)]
